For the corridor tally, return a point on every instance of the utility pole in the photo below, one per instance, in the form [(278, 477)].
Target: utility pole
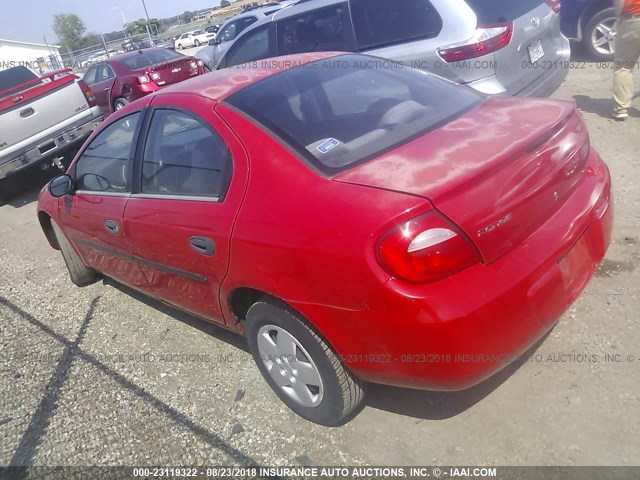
[(147, 15)]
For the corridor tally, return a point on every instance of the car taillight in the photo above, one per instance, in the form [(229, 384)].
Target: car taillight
[(486, 39), (142, 79), (91, 98), (554, 4), (200, 63), (425, 249)]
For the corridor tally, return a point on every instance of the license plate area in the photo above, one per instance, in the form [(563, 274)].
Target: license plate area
[(536, 52)]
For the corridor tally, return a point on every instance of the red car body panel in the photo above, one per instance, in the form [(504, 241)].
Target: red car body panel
[(288, 231)]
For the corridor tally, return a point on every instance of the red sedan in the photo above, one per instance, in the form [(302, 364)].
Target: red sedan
[(124, 78), (357, 225)]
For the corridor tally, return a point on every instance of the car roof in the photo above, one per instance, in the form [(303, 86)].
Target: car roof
[(220, 84)]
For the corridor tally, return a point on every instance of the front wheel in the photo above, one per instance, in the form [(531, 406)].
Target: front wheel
[(180, 47), (197, 43), (301, 367), (599, 35), (80, 274)]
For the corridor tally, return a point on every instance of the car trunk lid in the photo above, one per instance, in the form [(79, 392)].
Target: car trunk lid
[(174, 71), (499, 172)]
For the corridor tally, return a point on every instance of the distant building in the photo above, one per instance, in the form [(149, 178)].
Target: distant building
[(37, 56)]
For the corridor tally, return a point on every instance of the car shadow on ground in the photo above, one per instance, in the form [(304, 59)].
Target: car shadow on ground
[(420, 404), (24, 190), (204, 326), (430, 405)]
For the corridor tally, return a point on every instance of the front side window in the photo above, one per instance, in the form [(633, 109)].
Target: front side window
[(379, 23), (251, 47), (184, 157), (106, 164), (243, 23), (320, 30), (344, 110)]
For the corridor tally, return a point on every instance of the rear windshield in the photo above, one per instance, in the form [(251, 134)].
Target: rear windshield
[(15, 76), (345, 110), (151, 57), (379, 23), (498, 11)]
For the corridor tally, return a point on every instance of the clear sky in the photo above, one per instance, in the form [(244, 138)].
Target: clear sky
[(29, 20)]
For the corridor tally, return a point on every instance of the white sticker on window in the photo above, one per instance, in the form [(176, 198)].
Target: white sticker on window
[(327, 145)]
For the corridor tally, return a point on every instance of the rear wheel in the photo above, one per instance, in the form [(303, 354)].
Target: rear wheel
[(599, 35), (300, 366), (80, 274), (197, 43), (120, 103)]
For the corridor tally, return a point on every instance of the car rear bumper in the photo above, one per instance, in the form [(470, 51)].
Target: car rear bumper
[(453, 334), (543, 83), (54, 146)]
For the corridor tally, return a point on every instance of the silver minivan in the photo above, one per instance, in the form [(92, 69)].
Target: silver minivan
[(510, 47)]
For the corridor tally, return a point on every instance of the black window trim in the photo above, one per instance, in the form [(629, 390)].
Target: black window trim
[(139, 160), (132, 154)]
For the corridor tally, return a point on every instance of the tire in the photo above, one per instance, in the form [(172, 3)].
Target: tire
[(80, 274), (593, 33), (197, 43), (120, 103), (281, 342), (180, 47)]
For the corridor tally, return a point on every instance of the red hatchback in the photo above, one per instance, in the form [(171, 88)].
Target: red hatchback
[(130, 76), (357, 225)]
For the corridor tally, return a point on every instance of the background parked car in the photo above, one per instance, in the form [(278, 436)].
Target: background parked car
[(127, 77), (593, 23), (490, 46), (193, 39), (229, 31)]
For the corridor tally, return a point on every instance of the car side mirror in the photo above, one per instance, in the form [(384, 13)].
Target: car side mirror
[(61, 186), (215, 41), (95, 183)]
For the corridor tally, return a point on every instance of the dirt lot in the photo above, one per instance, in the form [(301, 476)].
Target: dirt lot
[(95, 376)]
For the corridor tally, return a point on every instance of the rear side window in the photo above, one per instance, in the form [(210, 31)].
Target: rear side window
[(342, 111), (320, 30), (499, 11), (15, 76), (379, 23), (184, 157)]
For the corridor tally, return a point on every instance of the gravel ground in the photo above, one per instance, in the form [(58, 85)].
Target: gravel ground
[(101, 376)]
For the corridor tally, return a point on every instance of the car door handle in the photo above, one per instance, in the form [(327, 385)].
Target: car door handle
[(112, 226), (27, 112), (203, 245)]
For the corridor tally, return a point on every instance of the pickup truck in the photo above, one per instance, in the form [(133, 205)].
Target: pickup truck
[(42, 119)]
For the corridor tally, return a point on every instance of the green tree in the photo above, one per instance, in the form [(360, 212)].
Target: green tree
[(69, 29), (225, 3), (140, 26), (186, 17)]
